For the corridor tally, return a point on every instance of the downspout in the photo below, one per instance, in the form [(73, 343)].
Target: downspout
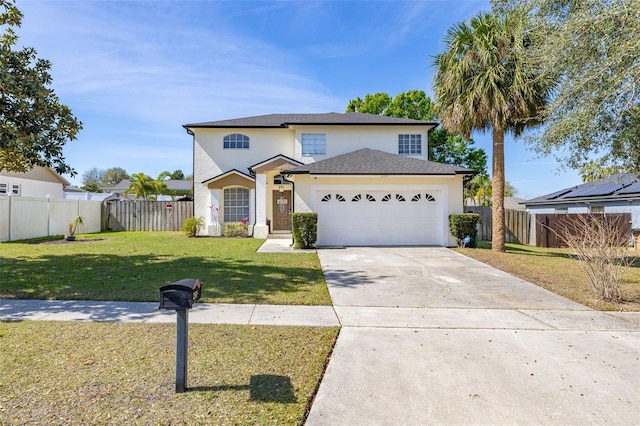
[(255, 199), (193, 168), (293, 198)]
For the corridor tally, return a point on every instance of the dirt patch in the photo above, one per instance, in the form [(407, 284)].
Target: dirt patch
[(64, 241)]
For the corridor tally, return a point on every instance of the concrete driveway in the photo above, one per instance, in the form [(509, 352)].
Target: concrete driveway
[(432, 337)]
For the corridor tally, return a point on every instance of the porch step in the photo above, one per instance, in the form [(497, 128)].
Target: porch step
[(280, 236)]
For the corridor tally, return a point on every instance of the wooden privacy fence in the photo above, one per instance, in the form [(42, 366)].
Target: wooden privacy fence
[(549, 227), (517, 224), (146, 215)]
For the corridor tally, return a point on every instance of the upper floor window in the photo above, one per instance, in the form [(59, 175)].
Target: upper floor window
[(410, 144), (236, 141), (313, 143)]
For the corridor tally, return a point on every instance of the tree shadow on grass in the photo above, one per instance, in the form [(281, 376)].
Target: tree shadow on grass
[(139, 277)]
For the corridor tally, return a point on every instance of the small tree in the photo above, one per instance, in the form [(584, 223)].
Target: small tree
[(73, 227), (600, 243)]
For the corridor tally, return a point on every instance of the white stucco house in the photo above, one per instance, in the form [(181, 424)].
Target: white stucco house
[(367, 177), (38, 182)]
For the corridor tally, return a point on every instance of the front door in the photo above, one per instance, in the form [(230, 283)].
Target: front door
[(281, 211)]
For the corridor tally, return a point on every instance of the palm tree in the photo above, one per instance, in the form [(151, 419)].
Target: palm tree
[(160, 186), (141, 185), (482, 82)]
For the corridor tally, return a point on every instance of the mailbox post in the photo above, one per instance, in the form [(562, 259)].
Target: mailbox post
[(180, 296)]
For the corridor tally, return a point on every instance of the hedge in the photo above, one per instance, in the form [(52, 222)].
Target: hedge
[(304, 227), (462, 226)]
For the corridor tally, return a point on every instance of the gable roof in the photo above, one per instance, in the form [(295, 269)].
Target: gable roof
[(373, 162), (232, 172), (39, 173), (331, 118), (624, 186), (277, 161)]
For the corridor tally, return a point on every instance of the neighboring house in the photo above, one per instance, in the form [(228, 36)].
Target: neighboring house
[(510, 203), (181, 188), (513, 203), (619, 193), (367, 177), (37, 182), (75, 193)]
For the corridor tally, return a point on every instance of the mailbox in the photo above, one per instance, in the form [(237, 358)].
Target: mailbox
[(180, 294)]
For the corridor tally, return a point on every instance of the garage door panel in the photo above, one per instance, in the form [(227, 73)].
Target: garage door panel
[(365, 217)]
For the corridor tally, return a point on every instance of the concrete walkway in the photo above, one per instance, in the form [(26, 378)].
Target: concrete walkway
[(204, 313), (432, 337)]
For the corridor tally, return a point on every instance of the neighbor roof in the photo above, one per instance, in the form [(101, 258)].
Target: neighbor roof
[(331, 118), (172, 184), (373, 162), (619, 186)]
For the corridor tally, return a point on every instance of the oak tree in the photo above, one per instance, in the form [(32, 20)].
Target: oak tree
[(34, 125)]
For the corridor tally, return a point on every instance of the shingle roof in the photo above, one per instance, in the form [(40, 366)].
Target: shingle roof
[(619, 186), (372, 162), (331, 118)]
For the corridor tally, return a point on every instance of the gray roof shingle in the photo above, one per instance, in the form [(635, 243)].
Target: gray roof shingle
[(373, 162), (331, 118)]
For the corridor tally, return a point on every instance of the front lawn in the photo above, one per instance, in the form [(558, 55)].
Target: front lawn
[(131, 266), (555, 270), (69, 373)]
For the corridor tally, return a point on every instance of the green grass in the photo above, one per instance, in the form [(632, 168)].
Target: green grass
[(131, 266), (66, 373), (555, 270)]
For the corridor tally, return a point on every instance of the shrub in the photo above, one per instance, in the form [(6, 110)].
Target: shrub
[(237, 229), (191, 225), (600, 243), (304, 228), (462, 226)]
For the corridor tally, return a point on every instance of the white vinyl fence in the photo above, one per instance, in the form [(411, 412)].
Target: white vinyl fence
[(28, 217)]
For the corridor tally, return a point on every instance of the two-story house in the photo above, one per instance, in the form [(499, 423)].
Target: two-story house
[(367, 177)]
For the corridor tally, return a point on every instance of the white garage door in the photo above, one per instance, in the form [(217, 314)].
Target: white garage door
[(362, 218)]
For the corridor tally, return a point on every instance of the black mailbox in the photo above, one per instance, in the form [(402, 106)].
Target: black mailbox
[(180, 294)]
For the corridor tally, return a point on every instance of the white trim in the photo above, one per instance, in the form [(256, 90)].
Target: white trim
[(316, 176)]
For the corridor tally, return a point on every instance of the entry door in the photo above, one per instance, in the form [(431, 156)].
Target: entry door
[(281, 211)]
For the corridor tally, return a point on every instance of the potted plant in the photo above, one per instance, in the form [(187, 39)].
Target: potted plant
[(73, 228)]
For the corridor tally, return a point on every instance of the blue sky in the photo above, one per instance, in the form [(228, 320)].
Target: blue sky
[(134, 71)]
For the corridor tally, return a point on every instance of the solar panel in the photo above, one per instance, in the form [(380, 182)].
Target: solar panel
[(595, 190), (557, 194), (634, 188)]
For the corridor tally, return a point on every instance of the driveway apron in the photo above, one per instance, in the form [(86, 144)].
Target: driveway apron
[(432, 337)]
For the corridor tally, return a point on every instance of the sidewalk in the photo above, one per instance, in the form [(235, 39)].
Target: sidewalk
[(205, 313)]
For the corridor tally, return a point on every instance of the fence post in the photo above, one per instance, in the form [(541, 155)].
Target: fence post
[(9, 221)]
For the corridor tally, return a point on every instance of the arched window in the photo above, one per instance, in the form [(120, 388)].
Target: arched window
[(236, 141), (236, 204)]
